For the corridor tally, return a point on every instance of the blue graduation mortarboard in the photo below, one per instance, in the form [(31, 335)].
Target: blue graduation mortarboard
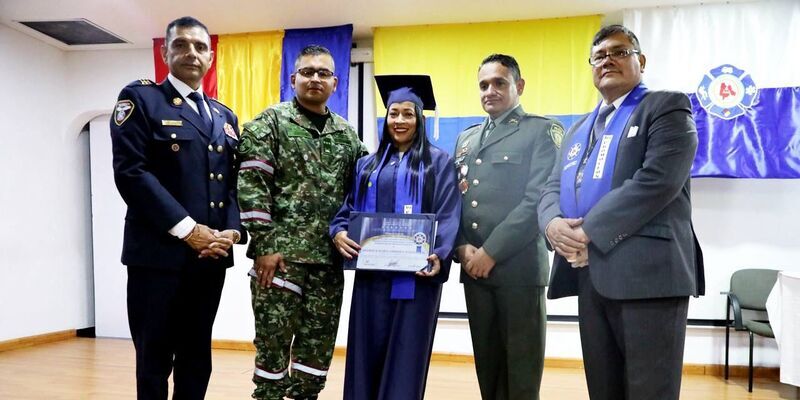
[(414, 88)]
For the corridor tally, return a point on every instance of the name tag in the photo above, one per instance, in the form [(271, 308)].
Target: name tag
[(601, 157), (633, 131), (171, 122)]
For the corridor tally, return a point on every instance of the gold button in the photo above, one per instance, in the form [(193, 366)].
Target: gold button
[(221, 204), (211, 176), (175, 147), (173, 136), (210, 148), (219, 149), (219, 177), (474, 225), (478, 162), (474, 203), (212, 205), (505, 158), (475, 182)]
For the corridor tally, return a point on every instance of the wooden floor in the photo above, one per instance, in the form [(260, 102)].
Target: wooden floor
[(104, 369)]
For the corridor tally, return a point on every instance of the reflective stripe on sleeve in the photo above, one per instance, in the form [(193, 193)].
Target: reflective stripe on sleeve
[(259, 165), (281, 283), (255, 215)]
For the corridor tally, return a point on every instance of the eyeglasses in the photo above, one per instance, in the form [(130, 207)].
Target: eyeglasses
[(323, 73), (596, 59)]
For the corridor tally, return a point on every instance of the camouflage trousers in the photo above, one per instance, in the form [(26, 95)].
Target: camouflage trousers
[(296, 323)]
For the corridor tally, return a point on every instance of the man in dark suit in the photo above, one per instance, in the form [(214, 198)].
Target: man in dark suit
[(175, 167), (617, 211), (502, 164)]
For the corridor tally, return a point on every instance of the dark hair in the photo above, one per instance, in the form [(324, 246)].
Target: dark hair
[(419, 153), (506, 61), (184, 22), (313, 50), (607, 31)]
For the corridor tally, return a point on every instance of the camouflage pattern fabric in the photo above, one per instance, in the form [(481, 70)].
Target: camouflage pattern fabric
[(291, 184), (310, 317), (292, 180)]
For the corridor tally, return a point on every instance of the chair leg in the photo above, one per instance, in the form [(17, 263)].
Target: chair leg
[(727, 345), (750, 379)]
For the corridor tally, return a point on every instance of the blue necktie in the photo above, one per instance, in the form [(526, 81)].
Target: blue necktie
[(197, 98), (600, 122), (597, 130)]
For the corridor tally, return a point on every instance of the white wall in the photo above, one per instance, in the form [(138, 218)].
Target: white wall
[(45, 276)]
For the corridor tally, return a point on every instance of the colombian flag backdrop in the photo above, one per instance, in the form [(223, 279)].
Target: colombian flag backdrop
[(551, 53), (246, 71)]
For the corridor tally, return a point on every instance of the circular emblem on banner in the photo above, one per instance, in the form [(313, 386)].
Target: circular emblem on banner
[(573, 151), (420, 238), (726, 91)]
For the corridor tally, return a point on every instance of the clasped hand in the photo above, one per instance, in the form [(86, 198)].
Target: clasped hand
[(475, 262), (210, 242), (568, 239)]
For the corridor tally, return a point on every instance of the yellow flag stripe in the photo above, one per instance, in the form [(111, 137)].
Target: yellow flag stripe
[(249, 72), (552, 54)]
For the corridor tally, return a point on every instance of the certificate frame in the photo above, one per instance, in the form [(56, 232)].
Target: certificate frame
[(391, 242)]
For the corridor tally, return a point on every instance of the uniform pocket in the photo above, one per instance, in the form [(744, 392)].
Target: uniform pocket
[(169, 134), (507, 158)]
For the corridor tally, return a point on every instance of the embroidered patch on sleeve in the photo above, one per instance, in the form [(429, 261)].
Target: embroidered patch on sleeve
[(122, 111)]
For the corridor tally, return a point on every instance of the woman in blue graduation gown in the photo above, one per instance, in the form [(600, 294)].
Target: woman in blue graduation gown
[(393, 315)]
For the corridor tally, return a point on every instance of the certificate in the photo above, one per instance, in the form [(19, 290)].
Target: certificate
[(391, 242)]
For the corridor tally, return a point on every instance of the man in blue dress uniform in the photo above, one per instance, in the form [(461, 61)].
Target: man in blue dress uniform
[(175, 167)]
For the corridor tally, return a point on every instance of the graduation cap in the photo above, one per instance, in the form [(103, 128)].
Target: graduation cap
[(417, 89)]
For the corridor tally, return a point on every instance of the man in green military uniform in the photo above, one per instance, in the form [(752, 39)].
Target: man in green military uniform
[(502, 164), (297, 158)]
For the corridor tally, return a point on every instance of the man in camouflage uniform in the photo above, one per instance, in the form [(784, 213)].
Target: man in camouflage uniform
[(502, 164), (297, 158)]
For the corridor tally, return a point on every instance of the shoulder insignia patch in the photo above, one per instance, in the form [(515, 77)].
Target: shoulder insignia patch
[(556, 134), (122, 111), (146, 82), (229, 131)]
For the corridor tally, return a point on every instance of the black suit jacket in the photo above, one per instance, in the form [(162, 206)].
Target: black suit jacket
[(168, 166), (642, 241)]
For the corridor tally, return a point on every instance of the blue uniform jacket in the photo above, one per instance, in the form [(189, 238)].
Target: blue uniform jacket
[(167, 166)]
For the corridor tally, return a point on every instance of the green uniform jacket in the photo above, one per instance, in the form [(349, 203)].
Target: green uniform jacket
[(501, 181), (291, 184)]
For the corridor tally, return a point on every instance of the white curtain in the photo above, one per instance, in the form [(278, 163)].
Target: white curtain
[(683, 43)]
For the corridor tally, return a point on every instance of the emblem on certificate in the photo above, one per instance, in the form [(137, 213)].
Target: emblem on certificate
[(391, 242)]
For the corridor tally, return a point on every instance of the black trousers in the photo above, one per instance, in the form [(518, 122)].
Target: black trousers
[(171, 314), (507, 325), (632, 349)]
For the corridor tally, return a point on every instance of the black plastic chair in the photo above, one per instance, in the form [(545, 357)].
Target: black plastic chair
[(749, 291)]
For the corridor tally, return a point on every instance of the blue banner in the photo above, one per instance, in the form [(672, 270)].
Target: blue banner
[(337, 39), (763, 142)]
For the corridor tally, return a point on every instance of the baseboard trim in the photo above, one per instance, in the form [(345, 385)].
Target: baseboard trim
[(36, 340), (737, 371)]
